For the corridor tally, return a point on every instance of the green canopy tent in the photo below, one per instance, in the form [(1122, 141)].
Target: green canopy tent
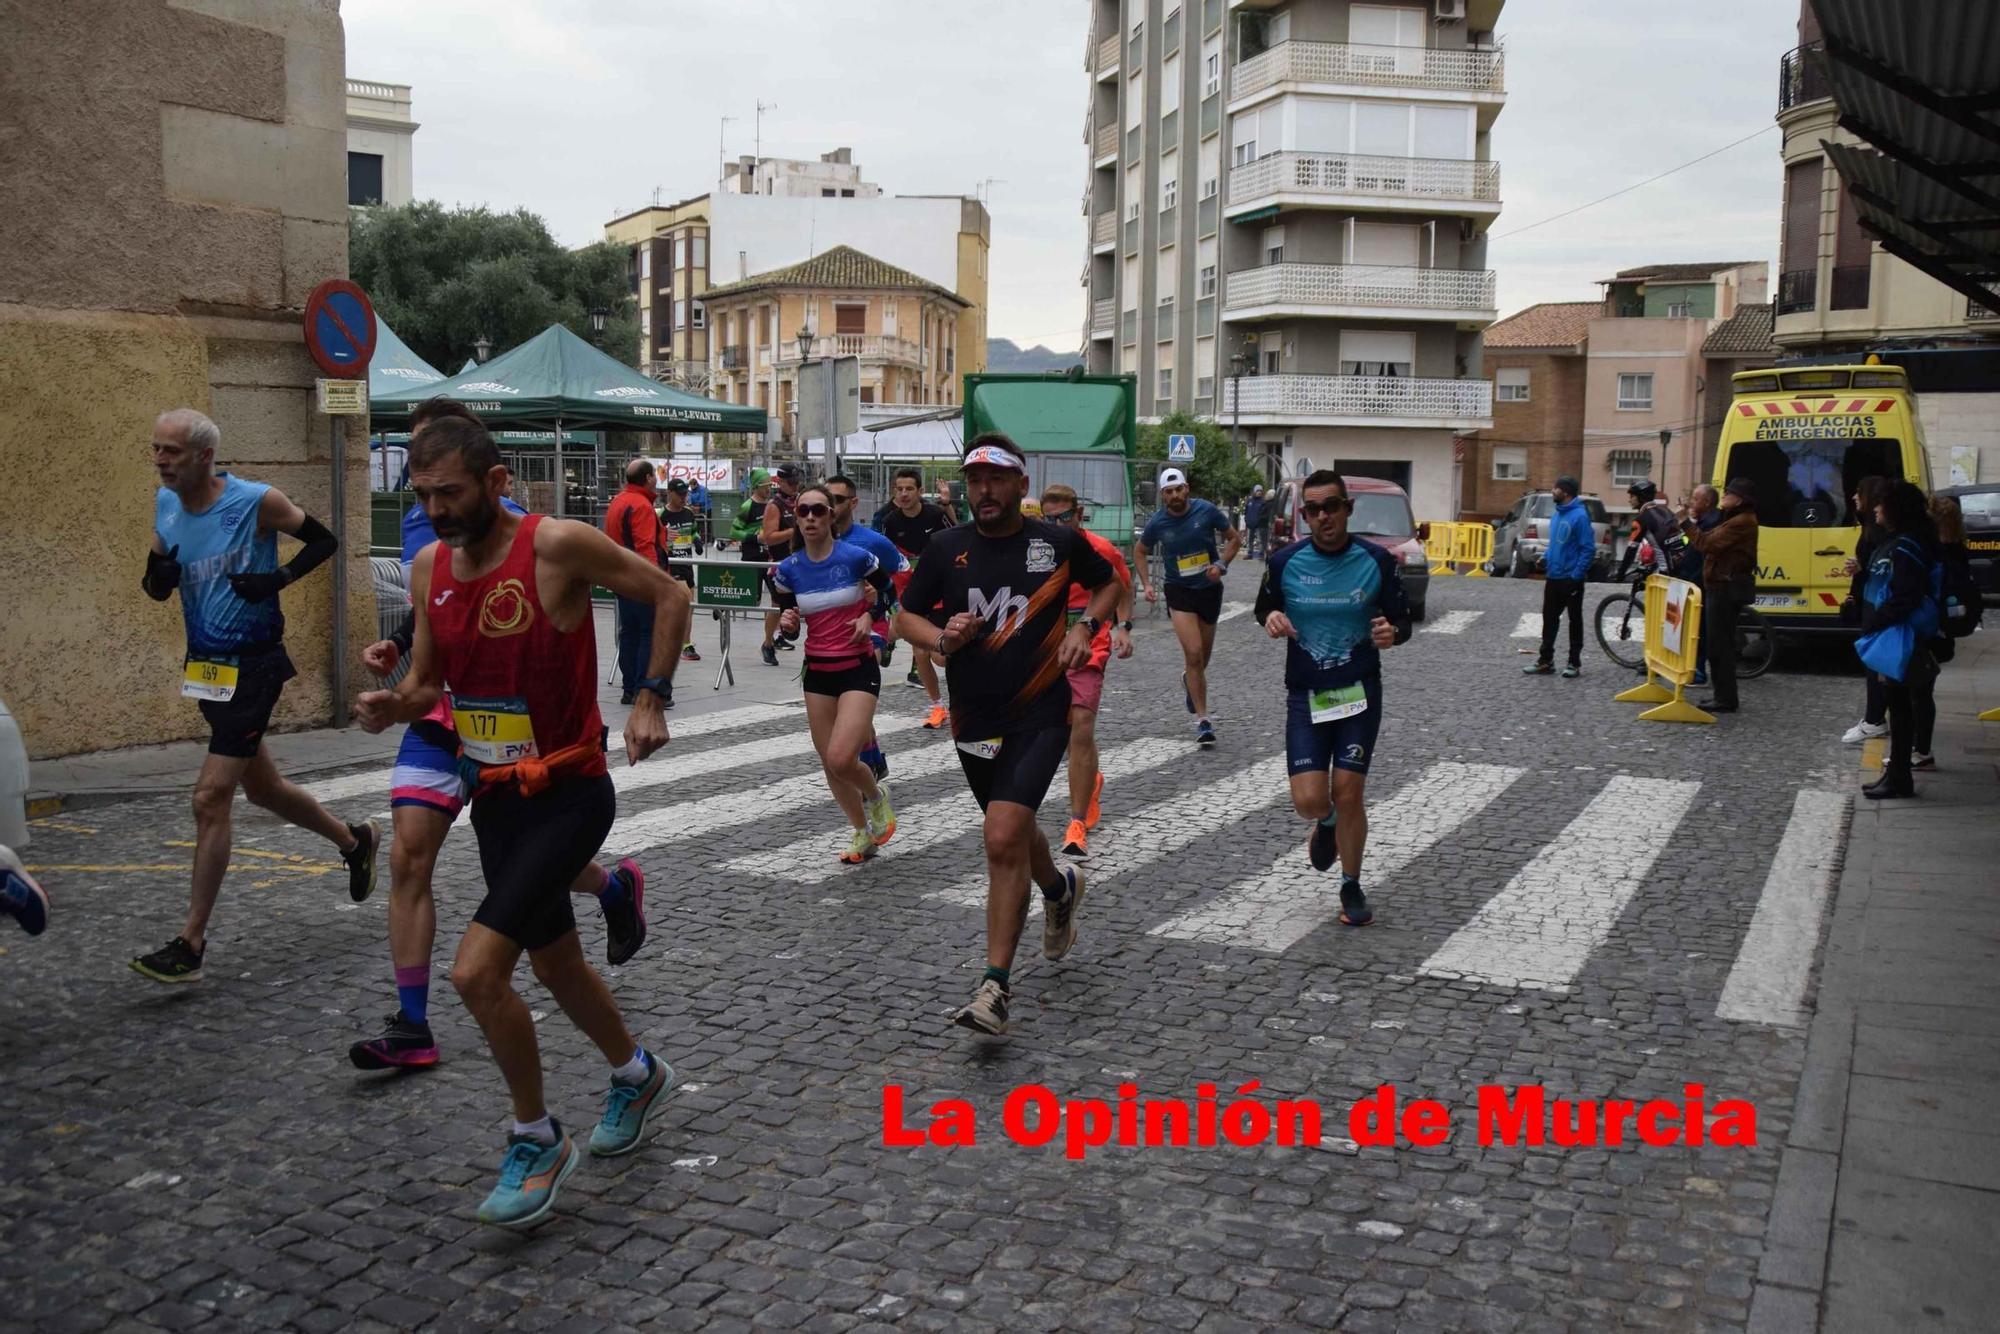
[(556, 379), (469, 367)]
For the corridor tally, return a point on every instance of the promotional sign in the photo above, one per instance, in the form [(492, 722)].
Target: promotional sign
[(1180, 449), (715, 474), (340, 329), (728, 584), (1676, 615)]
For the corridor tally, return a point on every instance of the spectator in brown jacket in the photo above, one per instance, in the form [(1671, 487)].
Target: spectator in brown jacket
[(1729, 582)]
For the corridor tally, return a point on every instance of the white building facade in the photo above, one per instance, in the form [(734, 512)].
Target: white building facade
[(380, 141)]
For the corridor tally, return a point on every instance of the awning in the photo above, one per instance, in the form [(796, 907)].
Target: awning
[(394, 367)]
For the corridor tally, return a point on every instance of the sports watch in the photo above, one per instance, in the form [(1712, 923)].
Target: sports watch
[(659, 685)]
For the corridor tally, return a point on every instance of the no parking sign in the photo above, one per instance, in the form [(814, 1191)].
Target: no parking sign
[(340, 329)]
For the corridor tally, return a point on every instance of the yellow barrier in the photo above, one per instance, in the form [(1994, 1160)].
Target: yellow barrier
[(1673, 612), (1990, 716), (1449, 545)]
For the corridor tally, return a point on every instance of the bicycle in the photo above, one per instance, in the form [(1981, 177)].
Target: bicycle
[(1620, 622)]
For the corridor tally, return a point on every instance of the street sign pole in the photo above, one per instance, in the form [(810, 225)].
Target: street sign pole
[(340, 338)]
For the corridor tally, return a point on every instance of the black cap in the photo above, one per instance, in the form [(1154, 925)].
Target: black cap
[(679, 484), (1743, 489), (1569, 484), (789, 471)]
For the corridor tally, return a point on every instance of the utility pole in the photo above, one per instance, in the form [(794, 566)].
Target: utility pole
[(722, 147), (758, 150)]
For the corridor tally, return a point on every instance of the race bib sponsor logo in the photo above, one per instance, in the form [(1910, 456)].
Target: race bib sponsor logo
[(1004, 609), (1041, 556)]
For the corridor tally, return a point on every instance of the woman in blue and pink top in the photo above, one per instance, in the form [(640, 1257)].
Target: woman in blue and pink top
[(830, 587)]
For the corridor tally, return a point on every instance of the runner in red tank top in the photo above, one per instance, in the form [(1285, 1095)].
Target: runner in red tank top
[(1086, 683), (504, 631)]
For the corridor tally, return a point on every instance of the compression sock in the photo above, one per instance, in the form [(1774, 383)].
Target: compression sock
[(413, 993), (871, 754), (996, 974), (635, 1071), (1054, 889), (542, 1131), (611, 887)]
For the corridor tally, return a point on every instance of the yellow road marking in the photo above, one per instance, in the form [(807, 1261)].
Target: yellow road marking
[(316, 868), (1874, 751), (58, 824), (294, 857)]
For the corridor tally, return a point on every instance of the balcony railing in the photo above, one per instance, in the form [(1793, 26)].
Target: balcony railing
[(1457, 69), (1380, 285), (869, 347), (1849, 288), (1104, 229), (1107, 54), (1308, 396), (1799, 78), (735, 357), (1103, 318), (1365, 174), (1798, 290), (1106, 143)]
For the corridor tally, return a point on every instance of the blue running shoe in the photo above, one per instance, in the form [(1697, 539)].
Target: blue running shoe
[(1204, 734), (530, 1175), (20, 897), (626, 1109)]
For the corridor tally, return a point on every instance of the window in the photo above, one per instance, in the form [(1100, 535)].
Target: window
[(680, 314), (1629, 466), (1805, 483), (1378, 353), (680, 253), (701, 252), (646, 321), (645, 262), (1244, 153), (1272, 360), (1166, 382), (1635, 392), (1211, 74), (1679, 310), (847, 194), (1208, 280), (700, 313), (1510, 384), (1170, 187), (364, 178), (1170, 86), (1209, 188), (1274, 245), (1204, 386), (826, 192), (1510, 463)]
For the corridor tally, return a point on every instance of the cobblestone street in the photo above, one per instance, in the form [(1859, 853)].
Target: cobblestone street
[(1562, 893)]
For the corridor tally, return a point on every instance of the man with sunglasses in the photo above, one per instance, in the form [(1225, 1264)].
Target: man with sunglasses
[(842, 493), (1184, 531), (1086, 683), (1339, 602)]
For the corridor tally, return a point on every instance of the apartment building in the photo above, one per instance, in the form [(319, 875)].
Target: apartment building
[(770, 213), (1536, 359), (381, 137), (902, 327), (1287, 206)]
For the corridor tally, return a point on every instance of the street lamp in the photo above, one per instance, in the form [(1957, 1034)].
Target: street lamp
[(805, 345), (482, 348), (1666, 438), (599, 317), (1239, 365)]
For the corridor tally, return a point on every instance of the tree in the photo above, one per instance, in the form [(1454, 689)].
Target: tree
[(1219, 471), (442, 278)]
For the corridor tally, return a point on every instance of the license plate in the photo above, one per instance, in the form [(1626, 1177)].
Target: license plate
[(1778, 600)]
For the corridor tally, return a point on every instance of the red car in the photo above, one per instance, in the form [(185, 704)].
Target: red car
[(1381, 515)]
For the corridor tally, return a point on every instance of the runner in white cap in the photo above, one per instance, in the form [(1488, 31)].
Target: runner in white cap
[(1184, 531)]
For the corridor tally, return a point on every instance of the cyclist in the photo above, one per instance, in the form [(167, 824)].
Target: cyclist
[(1656, 536)]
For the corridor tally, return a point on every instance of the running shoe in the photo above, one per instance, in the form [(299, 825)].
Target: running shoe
[(939, 716), (361, 861), (1571, 672), (1862, 731), (1919, 761), (1059, 915), (1354, 909), (885, 653), (786, 642), (986, 1012), (1186, 694), (20, 896), (1092, 813), (860, 847), (1321, 848), (912, 680), (530, 1175), (626, 1108), (404, 1044), (688, 653), (1204, 734), (881, 815), (770, 656), (624, 904), (1074, 842), (175, 961), (1539, 669)]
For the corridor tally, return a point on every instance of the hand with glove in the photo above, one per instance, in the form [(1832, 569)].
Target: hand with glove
[(259, 587), (163, 574)]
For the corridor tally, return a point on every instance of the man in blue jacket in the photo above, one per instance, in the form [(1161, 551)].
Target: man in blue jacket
[(1572, 544)]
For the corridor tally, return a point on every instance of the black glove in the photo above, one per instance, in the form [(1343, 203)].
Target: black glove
[(163, 574), (1850, 612), (259, 587)]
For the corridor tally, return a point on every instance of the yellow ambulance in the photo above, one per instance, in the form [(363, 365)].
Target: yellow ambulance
[(1805, 438)]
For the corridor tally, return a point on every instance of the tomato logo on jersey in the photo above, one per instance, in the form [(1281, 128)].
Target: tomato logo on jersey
[(505, 610)]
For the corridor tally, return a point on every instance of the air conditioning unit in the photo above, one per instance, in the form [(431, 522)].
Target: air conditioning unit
[(1449, 11)]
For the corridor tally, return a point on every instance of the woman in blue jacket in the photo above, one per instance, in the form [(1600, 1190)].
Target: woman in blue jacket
[(1899, 619)]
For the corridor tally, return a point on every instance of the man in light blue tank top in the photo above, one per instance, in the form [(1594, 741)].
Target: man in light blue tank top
[(215, 539)]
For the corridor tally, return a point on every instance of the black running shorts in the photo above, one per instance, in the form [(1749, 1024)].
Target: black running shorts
[(865, 675), (1020, 771), (1203, 602), (532, 849), (236, 725)]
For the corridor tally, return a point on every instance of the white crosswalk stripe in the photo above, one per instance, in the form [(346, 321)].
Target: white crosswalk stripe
[(665, 767), (1130, 843), (727, 810), (1767, 984), (810, 860), (1452, 623), (1232, 610), (1289, 901), (1540, 930), (1528, 627), (375, 782)]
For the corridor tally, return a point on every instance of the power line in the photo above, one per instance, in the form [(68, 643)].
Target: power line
[(1501, 236)]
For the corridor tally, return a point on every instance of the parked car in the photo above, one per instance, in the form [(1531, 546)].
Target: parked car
[(1981, 507), (1381, 515), (1521, 538)]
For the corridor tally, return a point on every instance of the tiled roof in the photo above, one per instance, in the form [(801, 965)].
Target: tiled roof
[(843, 267), (1747, 333), (1681, 273), (1550, 324)]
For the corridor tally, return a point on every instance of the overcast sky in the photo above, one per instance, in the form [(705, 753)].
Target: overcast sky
[(579, 109)]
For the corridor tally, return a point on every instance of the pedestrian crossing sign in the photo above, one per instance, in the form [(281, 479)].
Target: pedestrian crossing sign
[(1180, 449)]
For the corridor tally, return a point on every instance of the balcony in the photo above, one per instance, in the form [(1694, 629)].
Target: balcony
[(1324, 66), (1103, 318), (1107, 57), (1104, 231), (1105, 144), (1360, 291), (868, 347), (1799, 79), (1798, 290), (1364, 181), (1360, 400), (735, 357)]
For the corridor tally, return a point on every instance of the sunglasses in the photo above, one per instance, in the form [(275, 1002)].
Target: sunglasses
[(1312, 509), (839, 499), (1060, 516), (810, 511)]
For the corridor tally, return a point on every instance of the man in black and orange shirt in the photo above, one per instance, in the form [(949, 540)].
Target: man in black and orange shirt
[(990, 598), (908, 521)]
